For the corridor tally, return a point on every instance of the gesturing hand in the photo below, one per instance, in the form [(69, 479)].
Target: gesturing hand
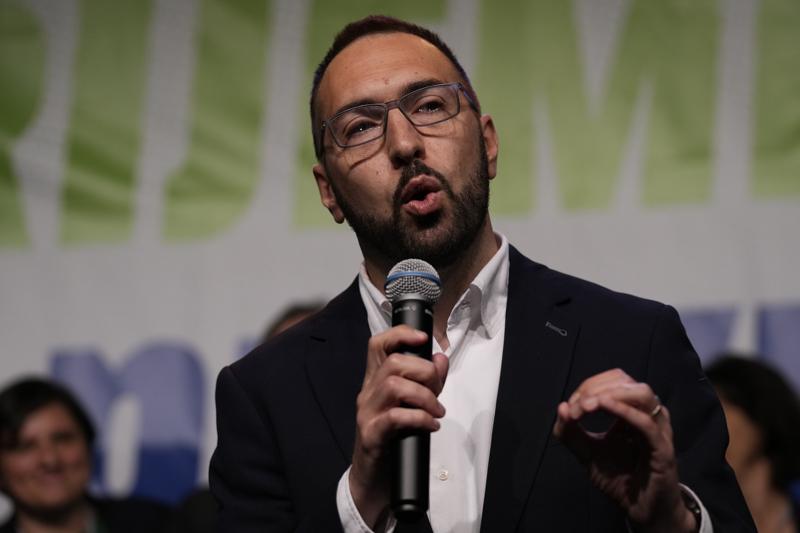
[(634, 461), (399, 392)]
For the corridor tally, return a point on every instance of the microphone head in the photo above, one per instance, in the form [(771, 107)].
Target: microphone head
[(413, 277)]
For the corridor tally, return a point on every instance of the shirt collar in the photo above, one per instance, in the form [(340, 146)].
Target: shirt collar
[(488, 293), (490, 288)]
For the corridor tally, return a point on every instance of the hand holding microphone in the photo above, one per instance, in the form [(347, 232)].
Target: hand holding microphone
[(397, 407), (413, 287)]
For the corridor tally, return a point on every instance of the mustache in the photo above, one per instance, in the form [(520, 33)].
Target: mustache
[(414, 169)]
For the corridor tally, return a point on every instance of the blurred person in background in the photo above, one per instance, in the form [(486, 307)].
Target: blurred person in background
[(46, 442), (763, 416), (291, 315)]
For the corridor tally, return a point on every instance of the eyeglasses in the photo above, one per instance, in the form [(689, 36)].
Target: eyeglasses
[(423, 107)]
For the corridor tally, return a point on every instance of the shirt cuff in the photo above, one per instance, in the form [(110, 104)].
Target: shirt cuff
[(705, 519), (348, 512)]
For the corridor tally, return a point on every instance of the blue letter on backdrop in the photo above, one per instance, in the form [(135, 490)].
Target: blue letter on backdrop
[(166, 379)]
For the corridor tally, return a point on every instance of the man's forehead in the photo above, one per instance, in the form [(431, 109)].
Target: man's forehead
[(375, 67)]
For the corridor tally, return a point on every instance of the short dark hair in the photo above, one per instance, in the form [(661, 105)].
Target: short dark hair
[(368, 26), (770, 403), (22, 398)]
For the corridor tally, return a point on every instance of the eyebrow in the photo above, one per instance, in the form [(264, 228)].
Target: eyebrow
[(405, 89)]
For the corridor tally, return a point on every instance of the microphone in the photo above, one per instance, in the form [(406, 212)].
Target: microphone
[(413, 287)]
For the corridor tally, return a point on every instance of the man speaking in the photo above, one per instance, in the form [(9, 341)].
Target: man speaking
[(552, 404)]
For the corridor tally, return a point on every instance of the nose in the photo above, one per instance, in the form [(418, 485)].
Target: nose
[(49, 456), (403, 140)]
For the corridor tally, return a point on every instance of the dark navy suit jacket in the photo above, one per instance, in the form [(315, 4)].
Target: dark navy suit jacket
[(286, 412)]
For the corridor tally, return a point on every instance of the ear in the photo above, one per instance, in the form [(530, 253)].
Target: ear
[(326, 193), (492, 143)]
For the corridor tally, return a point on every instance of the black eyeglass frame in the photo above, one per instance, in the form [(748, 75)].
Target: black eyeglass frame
[(388, 106)]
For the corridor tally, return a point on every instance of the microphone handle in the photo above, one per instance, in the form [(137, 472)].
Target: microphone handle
[(411, 450)]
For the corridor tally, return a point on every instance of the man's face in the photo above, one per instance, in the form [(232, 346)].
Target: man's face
[(48, 470), (417, 192)]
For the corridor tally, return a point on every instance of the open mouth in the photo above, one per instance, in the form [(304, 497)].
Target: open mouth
[(419, 189), (421, 197)]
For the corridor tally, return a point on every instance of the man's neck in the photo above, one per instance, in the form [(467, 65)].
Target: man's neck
[(455, 278)]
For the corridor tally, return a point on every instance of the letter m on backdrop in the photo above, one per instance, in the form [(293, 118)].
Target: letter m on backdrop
[(166, 382), (662, 51)]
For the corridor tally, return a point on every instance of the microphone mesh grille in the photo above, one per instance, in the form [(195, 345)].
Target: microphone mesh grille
[(413, 276)]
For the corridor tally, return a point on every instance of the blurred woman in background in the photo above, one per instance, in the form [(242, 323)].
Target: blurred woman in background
[(45, 467), (763, 415)]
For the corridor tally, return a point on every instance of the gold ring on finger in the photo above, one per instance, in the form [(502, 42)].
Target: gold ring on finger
[(656, 409)]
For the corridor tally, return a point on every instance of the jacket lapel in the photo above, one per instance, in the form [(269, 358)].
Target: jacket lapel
[(336, 363), (539, 341)]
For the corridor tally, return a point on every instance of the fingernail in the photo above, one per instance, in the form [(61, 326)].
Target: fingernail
[(442, 409), (436, 425)]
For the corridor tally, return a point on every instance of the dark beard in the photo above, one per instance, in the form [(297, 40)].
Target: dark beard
[(398, 238)]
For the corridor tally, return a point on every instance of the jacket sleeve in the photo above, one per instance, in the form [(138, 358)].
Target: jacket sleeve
[(247, 475), (700, 432)]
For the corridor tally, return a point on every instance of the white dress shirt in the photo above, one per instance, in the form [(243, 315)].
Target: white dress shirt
[(459, 457)]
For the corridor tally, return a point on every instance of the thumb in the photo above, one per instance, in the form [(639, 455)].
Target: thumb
[(442, 364), (574, 437)]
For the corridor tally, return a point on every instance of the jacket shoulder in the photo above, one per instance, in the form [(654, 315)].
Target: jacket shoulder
[(583, 296), (285, 353)]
